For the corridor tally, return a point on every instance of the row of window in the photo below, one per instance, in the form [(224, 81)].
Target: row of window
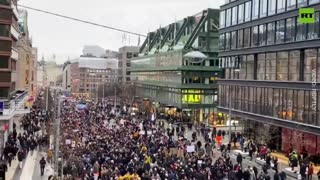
[(255, 9), (281, 66), (286, 30), (289, 104)]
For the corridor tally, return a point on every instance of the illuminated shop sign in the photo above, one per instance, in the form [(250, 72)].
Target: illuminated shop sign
[(191, 97)]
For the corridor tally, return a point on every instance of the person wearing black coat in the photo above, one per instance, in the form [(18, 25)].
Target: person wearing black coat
[(21, 156), (239, 159)]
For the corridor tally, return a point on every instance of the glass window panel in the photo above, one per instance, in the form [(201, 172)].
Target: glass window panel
[(310, 64), (301, 31), (294, 65), (313, 1), (289, 104), (302, 3), (313, 28), (247, 15), (281, 6), (290, 31), (262, 34), (228, 17), (271, 60), (234, 15), (255, 36), (318, 70), (243, 67), (276, 103), (280, 31), (255, 9), (250, 67), (291, 4), (233, 39), (261, 69), (246, 37), (282, 66), (271, 33), (222, 41), (241, 13), (263, 8), (240, 38), (300, 110), (228, 38), (272, 7), (222, 19)]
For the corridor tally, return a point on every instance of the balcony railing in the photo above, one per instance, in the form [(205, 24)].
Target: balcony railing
[(14, 54), (14, 32), (16, 105)]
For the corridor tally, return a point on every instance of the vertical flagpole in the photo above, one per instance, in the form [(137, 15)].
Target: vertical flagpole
[(174, 32), (148, 40)]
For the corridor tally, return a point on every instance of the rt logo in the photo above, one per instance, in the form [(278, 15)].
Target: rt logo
[(306, 15)]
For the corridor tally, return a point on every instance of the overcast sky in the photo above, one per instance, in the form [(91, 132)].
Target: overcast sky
[(65, 38)]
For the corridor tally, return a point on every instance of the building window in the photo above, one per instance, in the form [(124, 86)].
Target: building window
[(246, 38), (234, 15), (233, 39), (261, 66), (282, 66), (228, 38), (255, 9), (280, 31), (292, 4), (250, 67), (313, 28), (272, 7), (262, 34), (318, 75), (301, 31), (228, 17), (240, 38), (222, 41), (310, 63), (313, 1), (247, 11), (222, 19), (4, 30), (263, 8), (302, 3), (271, 33), (294, 65), (271, 62), (291, 29), (281, 6), (255, 36), (240, 13)]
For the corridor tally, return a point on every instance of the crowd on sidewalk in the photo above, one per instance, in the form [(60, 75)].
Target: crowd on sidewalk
[(23, 139), (96, 144)]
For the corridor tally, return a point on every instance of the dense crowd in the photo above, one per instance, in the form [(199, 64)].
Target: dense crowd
[(97, 144)]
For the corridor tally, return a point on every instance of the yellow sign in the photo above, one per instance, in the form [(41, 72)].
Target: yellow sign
[(192, 97)]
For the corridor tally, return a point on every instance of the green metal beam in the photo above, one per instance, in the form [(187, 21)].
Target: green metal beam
[(166, 36), (181, 30), (197, 30)]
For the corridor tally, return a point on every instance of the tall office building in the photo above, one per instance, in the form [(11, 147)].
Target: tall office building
[(9, 34), (272, 71), (126, 53)]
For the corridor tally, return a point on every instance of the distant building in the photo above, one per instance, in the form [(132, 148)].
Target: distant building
[(40, 74), (96, 71), (66, 76), (53, 70), (125, 55)]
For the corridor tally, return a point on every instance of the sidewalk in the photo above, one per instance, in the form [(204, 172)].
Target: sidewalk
[(15, 163)]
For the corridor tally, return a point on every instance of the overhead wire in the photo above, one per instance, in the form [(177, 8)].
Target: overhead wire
[(83, 21)]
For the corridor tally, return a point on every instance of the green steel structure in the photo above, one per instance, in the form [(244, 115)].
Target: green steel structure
[(162, 73)]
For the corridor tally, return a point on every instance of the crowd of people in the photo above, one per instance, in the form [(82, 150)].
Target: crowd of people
[(98, 143)]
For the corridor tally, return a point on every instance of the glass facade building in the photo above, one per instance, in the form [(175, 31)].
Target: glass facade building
[(185, 87), (272, 69)]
